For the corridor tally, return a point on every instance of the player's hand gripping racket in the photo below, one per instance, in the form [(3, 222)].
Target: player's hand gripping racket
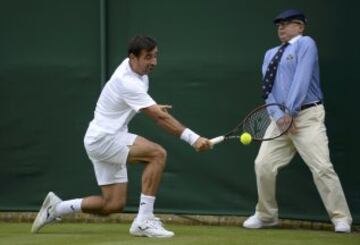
[(257, 122)]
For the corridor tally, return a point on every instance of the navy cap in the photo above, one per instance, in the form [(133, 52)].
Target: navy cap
[(290, 14)]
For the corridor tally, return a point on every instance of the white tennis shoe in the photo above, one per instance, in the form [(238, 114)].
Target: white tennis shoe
[(342, 227), (253, 222), (46, 214), (150, 227)]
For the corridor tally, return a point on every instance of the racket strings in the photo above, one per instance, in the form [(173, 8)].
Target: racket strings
[(257, 123), (260, 123)]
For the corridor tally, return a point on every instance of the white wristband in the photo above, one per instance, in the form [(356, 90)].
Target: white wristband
[(189, 136)]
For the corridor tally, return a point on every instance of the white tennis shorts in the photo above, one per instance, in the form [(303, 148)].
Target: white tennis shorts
[(108, 153)]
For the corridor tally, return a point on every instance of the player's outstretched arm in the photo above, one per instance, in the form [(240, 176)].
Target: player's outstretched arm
[(160, 114), (162, 117)]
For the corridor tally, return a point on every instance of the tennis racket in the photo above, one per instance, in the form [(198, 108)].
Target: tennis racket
[(257, 123)]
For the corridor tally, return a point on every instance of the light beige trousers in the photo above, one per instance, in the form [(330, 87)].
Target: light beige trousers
[(311, 143)]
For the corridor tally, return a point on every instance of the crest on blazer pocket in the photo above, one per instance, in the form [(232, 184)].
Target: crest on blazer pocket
[(289, 57)]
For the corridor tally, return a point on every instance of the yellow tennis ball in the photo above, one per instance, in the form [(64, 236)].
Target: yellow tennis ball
[(245, 138)]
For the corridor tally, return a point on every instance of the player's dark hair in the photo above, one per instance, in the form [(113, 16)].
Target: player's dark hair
[(140, 42)]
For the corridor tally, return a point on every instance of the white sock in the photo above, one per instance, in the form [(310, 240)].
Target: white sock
[(69, 206), (146, 207)]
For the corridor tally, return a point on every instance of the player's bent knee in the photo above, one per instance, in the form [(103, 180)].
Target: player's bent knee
[(160, 155)]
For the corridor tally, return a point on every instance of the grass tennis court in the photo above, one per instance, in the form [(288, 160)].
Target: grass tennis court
[(86, 233)]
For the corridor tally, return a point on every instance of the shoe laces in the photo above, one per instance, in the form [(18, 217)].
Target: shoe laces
[(53, 217), (341, 224), (154, 222)]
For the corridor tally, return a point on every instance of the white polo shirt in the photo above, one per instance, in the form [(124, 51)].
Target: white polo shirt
[(121, 98)]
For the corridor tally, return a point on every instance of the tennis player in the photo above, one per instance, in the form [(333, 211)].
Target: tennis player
[(110, 146)]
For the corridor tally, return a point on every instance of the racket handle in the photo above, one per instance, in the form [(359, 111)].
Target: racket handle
[(217, 140)]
